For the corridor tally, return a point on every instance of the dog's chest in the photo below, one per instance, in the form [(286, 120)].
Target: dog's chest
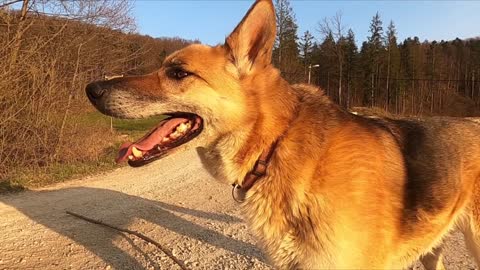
[(288, 232)]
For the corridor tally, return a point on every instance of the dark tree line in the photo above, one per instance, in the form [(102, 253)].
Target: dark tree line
[(405, 77)]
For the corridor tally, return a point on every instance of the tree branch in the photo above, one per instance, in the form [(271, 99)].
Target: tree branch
[(137, 234), (10, 3)]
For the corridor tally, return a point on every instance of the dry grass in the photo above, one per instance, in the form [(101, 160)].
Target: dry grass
[(455, 106), (48, 130), (373, 111)]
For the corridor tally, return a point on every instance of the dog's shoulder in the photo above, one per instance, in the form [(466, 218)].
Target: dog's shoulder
[(307, 89), (309, 94), (314, 100)]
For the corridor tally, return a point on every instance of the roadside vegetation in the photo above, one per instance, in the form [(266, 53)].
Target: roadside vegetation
[(102, 137), (49, 51)]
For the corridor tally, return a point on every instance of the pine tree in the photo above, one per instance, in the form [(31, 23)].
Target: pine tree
[(393, 62), (327, 61), (412, 59), (376, 30), (285, 51), (371, 54), (306, 47), (350, 70), (317, 59)]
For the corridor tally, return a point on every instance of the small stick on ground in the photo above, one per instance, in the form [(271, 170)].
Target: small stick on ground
[(137, 234)]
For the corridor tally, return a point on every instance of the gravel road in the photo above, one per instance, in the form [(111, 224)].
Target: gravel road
[(173, 201)]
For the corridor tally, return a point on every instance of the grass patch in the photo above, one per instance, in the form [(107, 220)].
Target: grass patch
[(57, 172), (131, 127), (8, 186)]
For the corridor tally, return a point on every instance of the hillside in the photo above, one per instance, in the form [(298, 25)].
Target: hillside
[(47, 126)]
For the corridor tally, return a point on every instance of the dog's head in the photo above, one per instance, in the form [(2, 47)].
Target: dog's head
[(204, 90)]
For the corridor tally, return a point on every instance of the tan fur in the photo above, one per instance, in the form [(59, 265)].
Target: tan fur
[(341, 191)]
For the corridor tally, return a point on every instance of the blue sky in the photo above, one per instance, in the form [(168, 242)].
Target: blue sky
[(211, 21)]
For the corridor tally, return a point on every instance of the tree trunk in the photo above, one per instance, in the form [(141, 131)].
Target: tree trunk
[(328, 83), (340, 84), (465, 81), (458, 80), (372, 92), (21, 29), (347, 105), (388, 79), (473, 84)]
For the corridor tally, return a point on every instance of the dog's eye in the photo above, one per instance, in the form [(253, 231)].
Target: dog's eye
[(177, 73)]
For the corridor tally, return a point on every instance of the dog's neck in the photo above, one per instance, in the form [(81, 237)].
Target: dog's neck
[(234, 154)]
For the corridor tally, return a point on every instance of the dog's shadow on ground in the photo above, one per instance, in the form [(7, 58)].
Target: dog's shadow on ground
[(119, 209)]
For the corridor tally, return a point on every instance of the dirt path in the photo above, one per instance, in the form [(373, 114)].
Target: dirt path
[(173, 201)]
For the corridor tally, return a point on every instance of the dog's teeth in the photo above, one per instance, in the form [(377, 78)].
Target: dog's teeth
[(165, 139), (130, 157), (175, 135), (136, 153), (182, 128)]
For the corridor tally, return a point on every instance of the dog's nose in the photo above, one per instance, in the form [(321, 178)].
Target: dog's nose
[(94, 91)]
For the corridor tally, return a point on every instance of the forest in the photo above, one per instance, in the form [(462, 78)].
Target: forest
[(409, 77)]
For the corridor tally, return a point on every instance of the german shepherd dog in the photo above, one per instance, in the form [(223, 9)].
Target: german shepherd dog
[(326, 188)]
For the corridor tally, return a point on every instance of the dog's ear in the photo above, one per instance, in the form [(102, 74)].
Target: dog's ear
[(251, 43)]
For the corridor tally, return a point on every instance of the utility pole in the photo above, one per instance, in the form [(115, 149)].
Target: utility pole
[(310, 71)]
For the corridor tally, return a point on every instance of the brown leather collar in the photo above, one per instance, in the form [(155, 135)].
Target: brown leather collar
[(259, 170)]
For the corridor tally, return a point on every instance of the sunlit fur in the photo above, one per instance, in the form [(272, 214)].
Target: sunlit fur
[(341, 191)]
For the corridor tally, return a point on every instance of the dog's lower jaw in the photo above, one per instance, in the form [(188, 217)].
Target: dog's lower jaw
[(219, 157)]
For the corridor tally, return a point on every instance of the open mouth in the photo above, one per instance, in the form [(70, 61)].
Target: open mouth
[(177, 129)]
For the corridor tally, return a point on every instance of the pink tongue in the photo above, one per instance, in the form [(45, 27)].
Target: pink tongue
[(149, 141)]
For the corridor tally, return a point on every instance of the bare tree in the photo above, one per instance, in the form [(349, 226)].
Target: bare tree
[(113, 14)]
